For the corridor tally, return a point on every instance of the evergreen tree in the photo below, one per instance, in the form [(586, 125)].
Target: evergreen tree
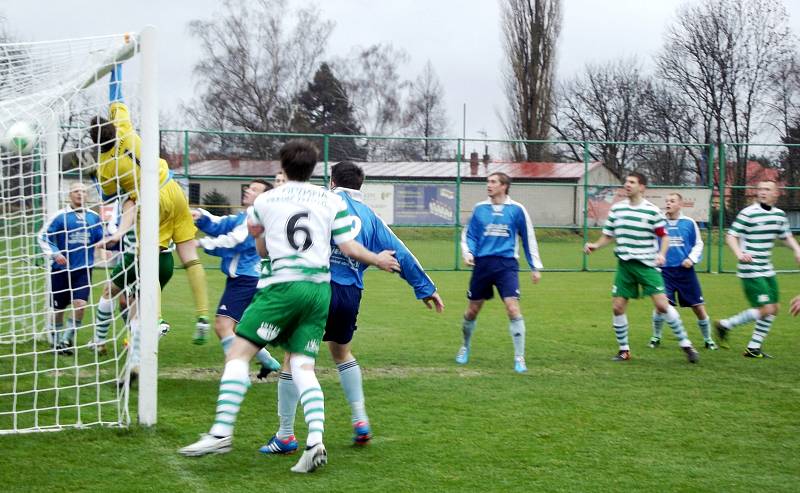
[(325, 108)]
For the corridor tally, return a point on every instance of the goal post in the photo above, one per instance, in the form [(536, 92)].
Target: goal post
[(149, 292), (63, 366)]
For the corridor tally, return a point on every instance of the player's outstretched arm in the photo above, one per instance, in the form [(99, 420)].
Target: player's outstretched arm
[(384, 260), (600, 243)]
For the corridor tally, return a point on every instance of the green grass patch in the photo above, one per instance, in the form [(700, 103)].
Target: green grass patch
[(575, 422)]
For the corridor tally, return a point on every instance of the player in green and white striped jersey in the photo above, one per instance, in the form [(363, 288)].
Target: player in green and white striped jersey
[(295, 225), (636, 224), (751, 237)]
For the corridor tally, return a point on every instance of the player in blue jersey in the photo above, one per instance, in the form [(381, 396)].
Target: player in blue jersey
[(680, 280), (228, 238), (489, 243), (69, 238), (347, 283)]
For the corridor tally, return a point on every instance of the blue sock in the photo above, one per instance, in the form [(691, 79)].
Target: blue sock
[(467, 328), (351, 380)]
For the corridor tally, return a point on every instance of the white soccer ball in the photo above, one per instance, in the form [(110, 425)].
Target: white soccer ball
[(20, 137)]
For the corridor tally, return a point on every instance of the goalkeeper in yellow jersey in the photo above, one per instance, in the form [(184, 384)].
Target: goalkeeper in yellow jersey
[(118, 173)]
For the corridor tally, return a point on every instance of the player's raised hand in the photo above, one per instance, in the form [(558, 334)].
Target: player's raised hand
[(434, 301), (387, 262), (536, 276)]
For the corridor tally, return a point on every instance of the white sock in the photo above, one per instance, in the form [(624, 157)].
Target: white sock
[(311, 397), (232, 389), (674, 321)]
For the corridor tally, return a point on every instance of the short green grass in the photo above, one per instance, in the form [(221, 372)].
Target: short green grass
[(575, 422)]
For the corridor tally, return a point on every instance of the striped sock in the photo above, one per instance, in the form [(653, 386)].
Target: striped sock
[(705, 328), (311, 397), (621, 330), (287, 405), (351, 380), (516, 328), (232, 389), (467, 328), (760, 333), (658, 324), (102, 319), (674, 321), (741, 318)]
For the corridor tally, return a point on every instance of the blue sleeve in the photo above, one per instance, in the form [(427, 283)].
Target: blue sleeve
[(97, 231), (469, 238), (215, 225), (115, 85), (410, 270), (46, 237), (529, 243)]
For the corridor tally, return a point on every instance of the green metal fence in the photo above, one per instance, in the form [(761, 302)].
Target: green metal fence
[(567, 187)]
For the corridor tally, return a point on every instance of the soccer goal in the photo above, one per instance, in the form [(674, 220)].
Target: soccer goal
[(55, 371)]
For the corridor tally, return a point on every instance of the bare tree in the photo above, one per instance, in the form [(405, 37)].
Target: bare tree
[(257, 56), (425, 115), (377, 92), (604, 104), (530, 32), (720, 55)]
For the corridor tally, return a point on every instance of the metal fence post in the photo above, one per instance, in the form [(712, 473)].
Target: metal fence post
[(186, 154), (457, 225), (722, 186), (585, 261), (710, 225)]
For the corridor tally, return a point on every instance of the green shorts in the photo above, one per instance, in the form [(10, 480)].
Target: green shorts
[(761, 291), (631, 274), (291, 315), (124, 274)]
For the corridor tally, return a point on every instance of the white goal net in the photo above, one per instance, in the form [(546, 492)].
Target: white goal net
[(63, 365)]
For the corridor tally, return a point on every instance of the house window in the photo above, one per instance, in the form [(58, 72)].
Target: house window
[(194, 193)]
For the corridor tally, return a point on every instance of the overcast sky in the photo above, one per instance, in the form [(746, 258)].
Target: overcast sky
[(460, 37)]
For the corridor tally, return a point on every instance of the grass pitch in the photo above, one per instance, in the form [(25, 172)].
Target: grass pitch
[(575, 422)]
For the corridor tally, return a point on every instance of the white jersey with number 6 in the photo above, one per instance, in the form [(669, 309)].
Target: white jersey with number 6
[(299, 220)]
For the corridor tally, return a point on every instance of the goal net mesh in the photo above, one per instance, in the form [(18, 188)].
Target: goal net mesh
[(53, 373)]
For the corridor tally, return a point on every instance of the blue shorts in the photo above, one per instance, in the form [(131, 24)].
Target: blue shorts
[(681, 286), (238, 294), (491, 271), (343, 312), (68, 285)]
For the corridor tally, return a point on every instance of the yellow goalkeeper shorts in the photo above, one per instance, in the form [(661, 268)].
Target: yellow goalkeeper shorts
[(175, 219)]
